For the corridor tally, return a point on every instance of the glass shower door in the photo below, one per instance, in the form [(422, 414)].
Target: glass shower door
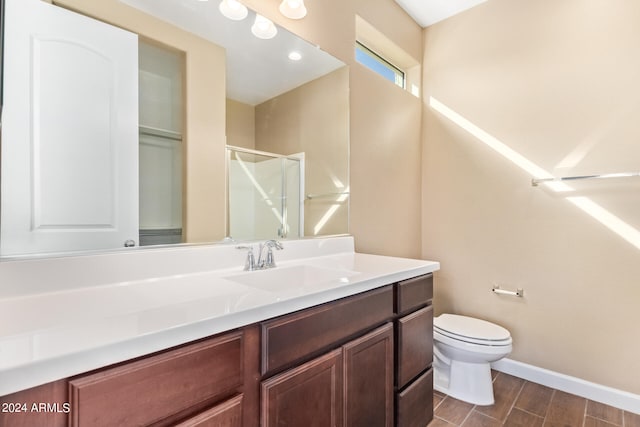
[(264, 195)]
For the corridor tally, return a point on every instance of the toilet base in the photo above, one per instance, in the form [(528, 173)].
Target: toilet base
[(469, 382)]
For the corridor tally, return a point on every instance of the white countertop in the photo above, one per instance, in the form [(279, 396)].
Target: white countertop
[(135, 303)]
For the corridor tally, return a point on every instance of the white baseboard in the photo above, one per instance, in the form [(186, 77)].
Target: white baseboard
[(596, 392)]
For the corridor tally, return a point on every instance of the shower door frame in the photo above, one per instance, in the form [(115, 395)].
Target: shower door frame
[(299, 157)]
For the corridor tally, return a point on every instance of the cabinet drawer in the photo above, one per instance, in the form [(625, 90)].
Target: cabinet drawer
[(415, 344), (226, 414), (413, 293), (294, 337), (151, 389), (414, 402)]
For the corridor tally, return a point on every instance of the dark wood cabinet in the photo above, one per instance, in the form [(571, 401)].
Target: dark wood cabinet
[(205, 383), (14, 414), (413, 293), (368, 379), (308, 395), (153, 389), (289, 339), (386, 376), (225, 414), (414, 351), (415, 344), (360, 361), (351, 386), (415, 402)]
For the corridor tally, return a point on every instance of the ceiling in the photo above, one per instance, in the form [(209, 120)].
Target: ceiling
[(257, 70), (428, 12)]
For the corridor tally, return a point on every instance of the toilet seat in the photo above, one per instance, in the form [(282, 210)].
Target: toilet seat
[(471, 330)]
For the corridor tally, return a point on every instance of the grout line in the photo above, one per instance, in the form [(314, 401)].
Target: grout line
[(513, 404), (584, 415), (553, 394), (440, 403), (468, 415), (529, 412)]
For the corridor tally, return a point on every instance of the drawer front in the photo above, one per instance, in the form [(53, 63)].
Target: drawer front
[(413, 293), (292, 338), (226, 414), (151, 389), (411, 403), (415, 344)]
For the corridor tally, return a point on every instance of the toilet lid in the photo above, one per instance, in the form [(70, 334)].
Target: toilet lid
[(469, 328)]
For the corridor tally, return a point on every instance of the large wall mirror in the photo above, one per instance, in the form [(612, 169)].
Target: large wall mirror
[(275, 136)]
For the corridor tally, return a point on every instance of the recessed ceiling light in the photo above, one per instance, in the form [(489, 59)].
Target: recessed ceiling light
[(295, 56)]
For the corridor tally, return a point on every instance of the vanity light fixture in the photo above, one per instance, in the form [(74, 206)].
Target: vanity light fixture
[(263, 28), (233, 10), (295, 56), (293, 9)]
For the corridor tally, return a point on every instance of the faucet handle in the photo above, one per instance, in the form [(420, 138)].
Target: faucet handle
[(250, 263), (274, 244), (269, 261)]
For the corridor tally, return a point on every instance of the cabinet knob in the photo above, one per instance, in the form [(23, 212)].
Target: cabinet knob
[(129, 243)]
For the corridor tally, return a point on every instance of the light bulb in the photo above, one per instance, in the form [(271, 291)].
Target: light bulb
[(263, 28), (233, 9), (293, 9)]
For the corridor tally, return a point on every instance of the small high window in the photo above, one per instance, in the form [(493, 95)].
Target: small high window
[(377, 63)]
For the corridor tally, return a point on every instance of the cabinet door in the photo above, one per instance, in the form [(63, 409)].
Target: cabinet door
[(226, 414), (415, 344), (368, 373), (309, 395), (69, 132)]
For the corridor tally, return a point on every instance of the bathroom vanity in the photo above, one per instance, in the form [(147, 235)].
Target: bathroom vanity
[(351, 344)]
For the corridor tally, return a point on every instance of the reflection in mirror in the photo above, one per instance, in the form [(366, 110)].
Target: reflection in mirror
[(310, 120), (161, 113), (294, 104), (75, 186), (265, 195)]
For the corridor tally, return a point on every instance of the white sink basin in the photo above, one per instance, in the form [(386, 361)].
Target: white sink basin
[(295, 277)]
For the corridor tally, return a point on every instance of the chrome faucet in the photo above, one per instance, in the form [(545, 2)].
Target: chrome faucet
[(264, 260), (250, 263), (268, 261)]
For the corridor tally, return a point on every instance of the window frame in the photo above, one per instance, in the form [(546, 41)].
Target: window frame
[(398, 72)]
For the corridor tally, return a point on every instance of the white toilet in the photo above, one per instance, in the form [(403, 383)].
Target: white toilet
[(463, 349)]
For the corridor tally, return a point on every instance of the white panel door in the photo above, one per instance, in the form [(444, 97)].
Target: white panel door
[(69, 132)]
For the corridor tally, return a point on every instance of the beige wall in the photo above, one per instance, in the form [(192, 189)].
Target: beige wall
[(241, 124), (204, 130), (557, 82), (313, 119)]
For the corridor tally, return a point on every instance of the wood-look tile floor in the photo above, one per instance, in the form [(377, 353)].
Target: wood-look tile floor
[(523, 403)]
